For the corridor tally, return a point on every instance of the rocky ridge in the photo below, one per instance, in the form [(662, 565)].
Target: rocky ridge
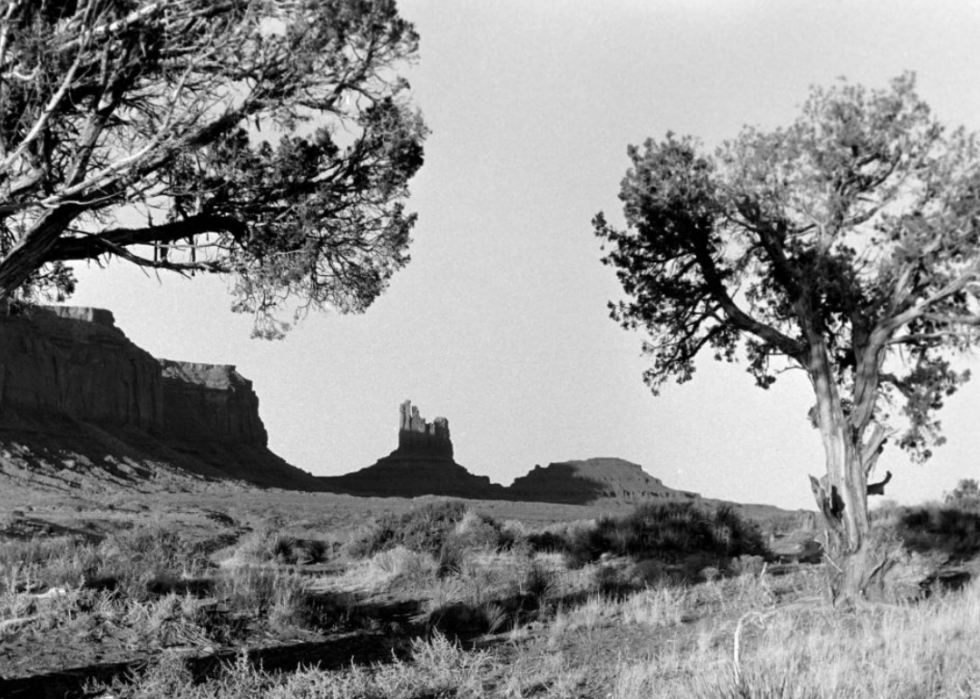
[(80, 404), (423, 464), (79, 400)]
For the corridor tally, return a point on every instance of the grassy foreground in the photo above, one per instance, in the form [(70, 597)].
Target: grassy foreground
[(799, 650), (662, 602)]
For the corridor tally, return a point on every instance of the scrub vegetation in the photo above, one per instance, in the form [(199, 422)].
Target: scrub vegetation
[(444, 599)]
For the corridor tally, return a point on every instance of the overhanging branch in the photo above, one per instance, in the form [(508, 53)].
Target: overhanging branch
[(92, 246)]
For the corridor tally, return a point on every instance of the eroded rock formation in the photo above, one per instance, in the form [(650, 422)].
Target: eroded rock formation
[(74, 389), (417, 436), (422, 464)]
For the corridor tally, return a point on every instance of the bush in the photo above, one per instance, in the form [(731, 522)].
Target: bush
[(948, 529), (667, 531), (423, 529)]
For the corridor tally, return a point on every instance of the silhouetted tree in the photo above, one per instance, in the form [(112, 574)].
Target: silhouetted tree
[(263, 139), (846, 245)]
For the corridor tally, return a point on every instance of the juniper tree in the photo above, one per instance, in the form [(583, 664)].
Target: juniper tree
[(846, 245), (267, 140)]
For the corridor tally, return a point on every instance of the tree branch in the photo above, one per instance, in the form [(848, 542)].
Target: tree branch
[(742, 320), (92, 246)]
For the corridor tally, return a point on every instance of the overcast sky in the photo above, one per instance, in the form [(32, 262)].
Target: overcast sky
[(499, 323)]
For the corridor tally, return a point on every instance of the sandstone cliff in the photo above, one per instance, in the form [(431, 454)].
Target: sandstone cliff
[(208, 402), (77, 395)]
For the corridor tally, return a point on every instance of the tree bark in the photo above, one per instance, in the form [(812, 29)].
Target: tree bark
[(32, 252), (842, 496), (842, 499)]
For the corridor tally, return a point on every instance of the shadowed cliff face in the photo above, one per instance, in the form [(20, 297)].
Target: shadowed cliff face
[(210, 402), (74, 362), (72, 382)]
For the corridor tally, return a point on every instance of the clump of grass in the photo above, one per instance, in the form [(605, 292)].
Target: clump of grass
[(129, 561), (538, 587), (437, 668), (40, 564), (310, 551), (656, 607)]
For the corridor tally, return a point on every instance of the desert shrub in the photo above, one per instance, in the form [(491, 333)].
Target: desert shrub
[(547, 541), (539, 588), (167, 621), (424, 529), (282, 548), (280, 599), (479, 531), (451, 558), (310, 551), (158, 548), (934, 528), (469, 602), (247, 590), (669, 531), (133, 560), (474, 532), (264, 546)]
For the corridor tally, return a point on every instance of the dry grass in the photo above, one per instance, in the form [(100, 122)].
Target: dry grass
[(927, 650), (620, 626)]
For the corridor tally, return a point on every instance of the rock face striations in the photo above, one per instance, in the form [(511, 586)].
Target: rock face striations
[(422, 464), (71, 383), (75, 363)]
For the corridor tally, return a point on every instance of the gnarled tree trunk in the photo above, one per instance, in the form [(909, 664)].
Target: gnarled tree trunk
[(854, 559)]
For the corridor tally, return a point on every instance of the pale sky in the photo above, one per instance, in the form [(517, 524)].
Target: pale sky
[(499, 323)]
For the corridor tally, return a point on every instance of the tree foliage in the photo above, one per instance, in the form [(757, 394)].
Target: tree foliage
[(266, 140), (846, 245), (852, 233)]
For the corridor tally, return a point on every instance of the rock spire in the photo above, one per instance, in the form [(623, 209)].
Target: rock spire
[(417, 436)]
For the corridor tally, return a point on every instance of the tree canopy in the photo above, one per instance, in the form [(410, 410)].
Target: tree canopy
[(846, 245), (268, 141)]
